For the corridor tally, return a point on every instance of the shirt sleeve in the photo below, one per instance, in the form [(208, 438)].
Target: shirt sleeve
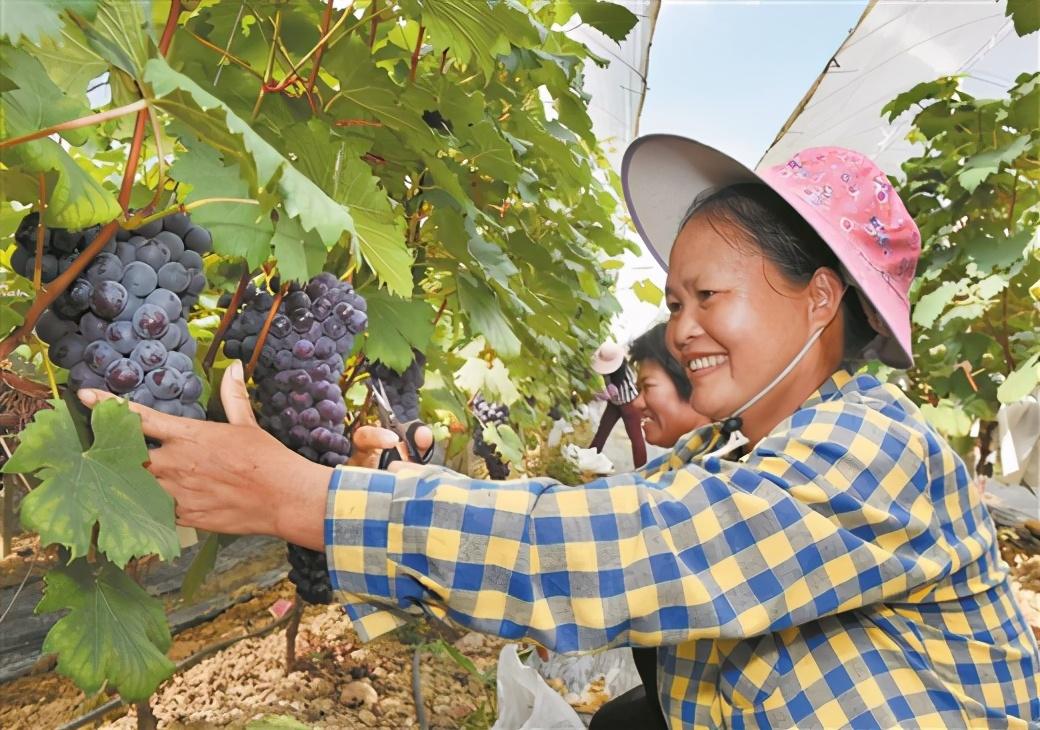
[(832, 515)]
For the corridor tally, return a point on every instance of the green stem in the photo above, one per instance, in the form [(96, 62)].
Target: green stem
[(86, 121), (135, 222)]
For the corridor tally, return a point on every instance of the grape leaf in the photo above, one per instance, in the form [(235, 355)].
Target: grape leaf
[(1021, 382), (238, 229), (506, 441), (931, 305), (474, 31), (36, 19), (1025, 14), (75, 199), (978, 167), (395, 327), (214, 121), (115, 632), (647, 291), (106, 484), (300, 254), (990, 253), (492, 153), (612, 19), (486, 316), (941, 87)]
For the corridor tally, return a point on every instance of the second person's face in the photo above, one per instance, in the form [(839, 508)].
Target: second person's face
[(666, 416)]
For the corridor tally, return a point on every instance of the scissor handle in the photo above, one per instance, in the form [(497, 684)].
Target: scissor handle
[(406, 432)]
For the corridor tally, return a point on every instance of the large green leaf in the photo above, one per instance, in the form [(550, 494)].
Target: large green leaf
[(114, 633), (300, 254), (238, 229), (106, 484), (611, 19), (475, 30), (505, 441), (214, 121), (75, 198), (487, 318), (991, 253), (931, 305), (980, 166), (1021, 382), (1025, 14), (37, 19), (395, 326)]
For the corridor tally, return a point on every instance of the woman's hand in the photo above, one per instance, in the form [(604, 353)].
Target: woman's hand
[(233, 477), (369, 443)]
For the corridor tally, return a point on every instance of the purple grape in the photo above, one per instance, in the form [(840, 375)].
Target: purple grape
[(331, 458), (80, 376), (302, 321), (149, 229), (91, 326), (180, 362), (174, 277), (172, 241), (68, 351), (142, 395), (189, 347), (52, 328), (358, 321), (166, 299), (154, 254), (165, 383), (106, 267), (299, 380), (130, 309), (126, 253), (169, 406), (331, 410), (324, 347), (279, 400), (149, 354), (99, 355), (192, 389), (191, 261), (280, 326), (193, 410), (108, 299), (300, 400), (139, 279), (123, 375), (177, 223), (121, 336), (333, 328), (151, 321), (198, 240), (172, 339), (48, 267), (283, 360), (303, 349), (298, 435), (309, 417)]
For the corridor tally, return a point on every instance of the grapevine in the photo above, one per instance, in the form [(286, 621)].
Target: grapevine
[(402, 388), (489, 414)]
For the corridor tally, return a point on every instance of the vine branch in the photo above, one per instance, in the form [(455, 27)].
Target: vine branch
[(261, 337), (225, 321), (87, 121)]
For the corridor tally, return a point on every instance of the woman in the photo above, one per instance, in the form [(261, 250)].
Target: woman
[(620, 393), (814, 558), (664, 404)]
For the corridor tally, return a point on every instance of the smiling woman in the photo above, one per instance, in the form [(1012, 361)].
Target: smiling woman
[(837, 571)]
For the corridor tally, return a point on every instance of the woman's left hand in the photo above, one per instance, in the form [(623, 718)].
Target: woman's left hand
[(233, 477)]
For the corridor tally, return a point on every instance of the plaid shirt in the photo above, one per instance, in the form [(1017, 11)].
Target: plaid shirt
[(842, 574)]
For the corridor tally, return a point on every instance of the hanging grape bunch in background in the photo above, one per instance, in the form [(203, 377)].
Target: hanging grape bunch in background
[(488, 414), (402, 389), (121, 325), (296, 383)]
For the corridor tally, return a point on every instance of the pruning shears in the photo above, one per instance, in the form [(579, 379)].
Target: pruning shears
[(407, 449)]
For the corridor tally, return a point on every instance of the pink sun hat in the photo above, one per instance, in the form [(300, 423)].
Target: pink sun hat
[(847, 200), (608, 357)]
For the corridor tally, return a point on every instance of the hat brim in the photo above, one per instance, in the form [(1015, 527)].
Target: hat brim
[(606, 367), (661, 176)]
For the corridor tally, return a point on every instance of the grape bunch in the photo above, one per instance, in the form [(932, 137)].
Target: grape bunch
[(487, 414), (60, 248), (297, 383), (120, 326), (402, 389)]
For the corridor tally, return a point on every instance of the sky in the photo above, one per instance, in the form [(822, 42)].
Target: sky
[(729, 73)]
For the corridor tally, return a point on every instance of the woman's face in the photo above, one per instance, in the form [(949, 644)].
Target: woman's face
[(736, 322), (666, 416)]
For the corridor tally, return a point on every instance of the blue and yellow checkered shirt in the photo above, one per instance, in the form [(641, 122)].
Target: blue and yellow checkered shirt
[(842, 574)]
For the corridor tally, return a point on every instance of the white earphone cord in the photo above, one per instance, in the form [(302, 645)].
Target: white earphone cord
[(783, 374)]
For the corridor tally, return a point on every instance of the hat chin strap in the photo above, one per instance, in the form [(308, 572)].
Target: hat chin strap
[(732, 425)]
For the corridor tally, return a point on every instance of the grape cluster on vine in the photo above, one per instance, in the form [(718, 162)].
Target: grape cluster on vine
[(296, 381), (496, 414), (120, 325), (402, 389)]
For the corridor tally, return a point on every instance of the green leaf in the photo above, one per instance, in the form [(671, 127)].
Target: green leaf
[(490, 256), (931, 305), (1025, 14), (37, 19), (990, 254), (75, 199), (181, 97), (474, 30), (491, 152), (201, 566), (395, 326), (1023, 381), (106, 484), (238, 229), (981, 166), (115, 632), (647, 291), (300, 254), (948, 418), (119, 34), (487, 318), (938, 89), (505, 441), (611, 19)]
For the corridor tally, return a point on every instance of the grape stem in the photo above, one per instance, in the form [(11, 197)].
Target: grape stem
[(136, 222), (41, 236), (415, 54), (50, 373), (87, 121), (261, 338), (225, 321)]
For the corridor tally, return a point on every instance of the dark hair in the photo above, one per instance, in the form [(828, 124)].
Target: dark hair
[(786, 240), (651, 346)]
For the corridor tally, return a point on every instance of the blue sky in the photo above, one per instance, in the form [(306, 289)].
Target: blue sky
[(729, 73)]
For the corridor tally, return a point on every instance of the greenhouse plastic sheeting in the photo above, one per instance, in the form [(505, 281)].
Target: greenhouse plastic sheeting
[(896, 45)]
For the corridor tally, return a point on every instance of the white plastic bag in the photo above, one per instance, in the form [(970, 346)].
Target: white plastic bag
[(588, 460), (526, 702)]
